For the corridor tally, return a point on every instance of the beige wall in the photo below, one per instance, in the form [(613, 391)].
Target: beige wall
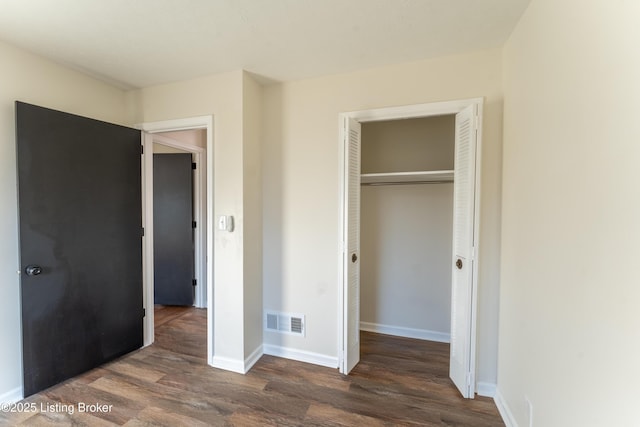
[(570, 292), (193, 137), (408, 145), (405, 256), (34, 80), (252, 184), (160, 148), (301, 175)]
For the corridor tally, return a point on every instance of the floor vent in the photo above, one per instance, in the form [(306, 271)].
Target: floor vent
[(286, 323)]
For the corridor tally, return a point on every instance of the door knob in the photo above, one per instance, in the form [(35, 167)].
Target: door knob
[(33, 270), (459, 264), (354, 258)]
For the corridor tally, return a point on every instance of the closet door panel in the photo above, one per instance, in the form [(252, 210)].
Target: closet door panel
[(352, 253), (461, 369)]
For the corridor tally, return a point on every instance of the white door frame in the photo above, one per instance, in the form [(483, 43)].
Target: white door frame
[(391, 113), (204, 241)]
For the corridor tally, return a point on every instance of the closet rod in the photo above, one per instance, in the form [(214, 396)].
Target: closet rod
[(405, 183)]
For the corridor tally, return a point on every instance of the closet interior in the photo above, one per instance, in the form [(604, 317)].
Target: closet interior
[(406, 226)]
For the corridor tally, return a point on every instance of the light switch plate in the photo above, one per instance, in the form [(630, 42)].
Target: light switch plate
[(225, 223)]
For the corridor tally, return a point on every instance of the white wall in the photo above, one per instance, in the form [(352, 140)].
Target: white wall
[(301, 160), (570, 293), (34, 80), (406, 230)]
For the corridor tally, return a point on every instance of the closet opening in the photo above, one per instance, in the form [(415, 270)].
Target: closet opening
[(408, 258), (406, 225)]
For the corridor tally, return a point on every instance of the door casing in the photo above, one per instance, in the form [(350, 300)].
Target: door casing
[(392, 113)]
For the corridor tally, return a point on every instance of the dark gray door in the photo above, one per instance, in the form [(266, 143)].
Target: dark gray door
[(79, 189), (173, 229)]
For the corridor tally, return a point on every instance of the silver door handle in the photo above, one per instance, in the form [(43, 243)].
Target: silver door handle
[(33, 270)]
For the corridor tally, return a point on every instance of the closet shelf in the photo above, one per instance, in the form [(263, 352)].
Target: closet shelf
[(406, 177)]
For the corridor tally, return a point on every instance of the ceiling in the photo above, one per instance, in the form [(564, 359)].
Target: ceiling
[(139, 43)]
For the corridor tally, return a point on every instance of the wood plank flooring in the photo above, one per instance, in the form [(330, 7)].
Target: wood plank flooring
[(399, 381)]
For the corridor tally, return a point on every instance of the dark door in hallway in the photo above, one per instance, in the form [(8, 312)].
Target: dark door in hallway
[(173, 229), (80, 243)]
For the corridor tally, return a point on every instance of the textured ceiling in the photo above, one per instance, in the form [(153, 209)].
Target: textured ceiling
[(139, 43)]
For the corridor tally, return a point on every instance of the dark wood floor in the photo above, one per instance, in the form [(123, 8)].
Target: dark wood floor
[(399, 381)]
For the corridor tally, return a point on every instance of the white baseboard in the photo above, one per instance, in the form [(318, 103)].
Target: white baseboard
[(228, 364), (486, 389), (421, 334), (301, 355), (252, 359), (237, 365), (504, 410), (11, 396)]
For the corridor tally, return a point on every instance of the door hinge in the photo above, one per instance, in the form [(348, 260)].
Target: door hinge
[(194, 224), (141, 149), (193, 166), (142, 231), (144, 312), (194, 282)]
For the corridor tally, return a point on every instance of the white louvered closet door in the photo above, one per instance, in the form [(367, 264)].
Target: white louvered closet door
[(461, 369), (352, 253)]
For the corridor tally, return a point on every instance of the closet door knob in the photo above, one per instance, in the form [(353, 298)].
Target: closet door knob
[(354, 258), (459, 264)]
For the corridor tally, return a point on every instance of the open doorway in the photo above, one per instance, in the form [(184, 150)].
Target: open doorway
[(178, 278), (179, 281), (464, 215), (193, 137)]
